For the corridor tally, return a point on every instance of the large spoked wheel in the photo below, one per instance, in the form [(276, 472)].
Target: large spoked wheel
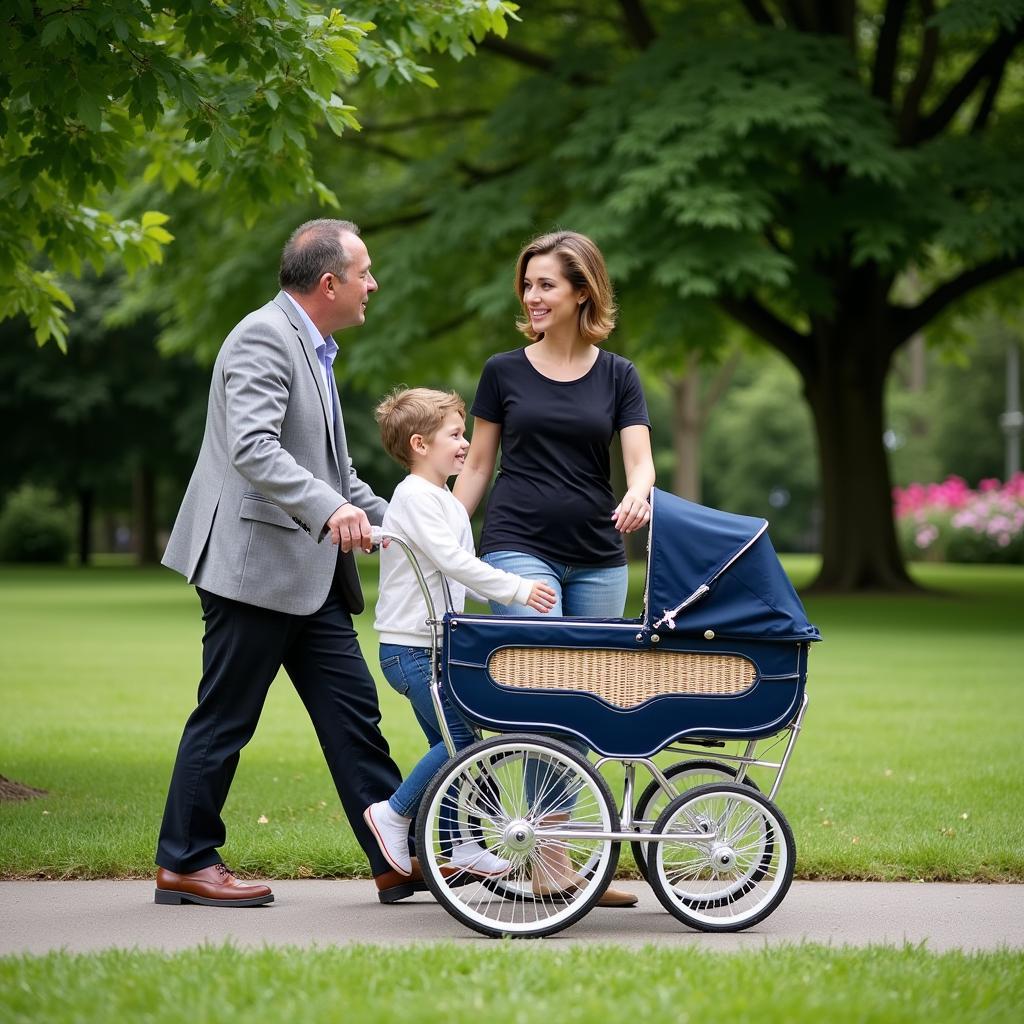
[(683, 775), (552, 869), (732, 863), (473, 801)]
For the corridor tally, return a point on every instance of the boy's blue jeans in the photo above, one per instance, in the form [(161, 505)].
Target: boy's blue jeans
[(407, 670)]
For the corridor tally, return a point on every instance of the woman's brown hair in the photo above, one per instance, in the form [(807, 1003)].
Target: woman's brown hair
[(583, 266)]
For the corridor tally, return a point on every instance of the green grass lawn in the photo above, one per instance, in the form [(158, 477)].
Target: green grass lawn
[(511, 982), (908, 766)]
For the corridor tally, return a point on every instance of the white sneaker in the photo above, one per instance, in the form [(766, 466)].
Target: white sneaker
[(475, 860), (391, 831)]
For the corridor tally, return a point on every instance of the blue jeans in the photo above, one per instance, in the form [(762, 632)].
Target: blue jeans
[(407, 670), (585, 591)]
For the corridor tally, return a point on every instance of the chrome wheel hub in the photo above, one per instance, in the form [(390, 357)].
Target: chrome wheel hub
[(723, 858), (519, 836)]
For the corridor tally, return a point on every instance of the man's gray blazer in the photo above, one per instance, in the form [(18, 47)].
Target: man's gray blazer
[(272, 469)]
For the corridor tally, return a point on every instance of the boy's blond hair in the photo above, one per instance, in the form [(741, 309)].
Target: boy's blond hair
[(408, 411)]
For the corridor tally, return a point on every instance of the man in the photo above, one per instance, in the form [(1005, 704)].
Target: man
[(273, 482)]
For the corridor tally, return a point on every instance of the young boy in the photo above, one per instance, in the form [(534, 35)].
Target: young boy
[(424, 431)]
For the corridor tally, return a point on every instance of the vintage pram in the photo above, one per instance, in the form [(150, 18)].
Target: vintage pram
[(717, 662)]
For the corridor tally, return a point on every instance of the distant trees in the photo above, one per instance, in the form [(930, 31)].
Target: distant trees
[(104, 423), (950, 426)]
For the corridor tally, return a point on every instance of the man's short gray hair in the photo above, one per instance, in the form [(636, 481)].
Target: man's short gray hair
[(314, 249)]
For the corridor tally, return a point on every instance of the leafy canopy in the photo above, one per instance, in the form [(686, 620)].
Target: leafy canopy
[(727, 164), (222, 96)]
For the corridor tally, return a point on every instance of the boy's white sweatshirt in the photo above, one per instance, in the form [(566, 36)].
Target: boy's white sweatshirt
[(435, 525)]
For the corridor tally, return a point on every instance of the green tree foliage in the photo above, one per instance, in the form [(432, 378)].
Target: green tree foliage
[(33, 527), (773, 164), (224, 96), (107, 418), (777, 165)]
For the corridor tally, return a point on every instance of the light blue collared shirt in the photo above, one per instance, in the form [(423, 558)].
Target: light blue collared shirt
[(326, 350)]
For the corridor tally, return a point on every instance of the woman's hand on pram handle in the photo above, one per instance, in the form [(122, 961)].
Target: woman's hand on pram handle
[(633, 512), (542, 598)]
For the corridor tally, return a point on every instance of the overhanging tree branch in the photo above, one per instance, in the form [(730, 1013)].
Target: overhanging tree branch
[(912, 319), (529, 58), (641, 29), (412, 123), (884, 72), (358, 139), (519, 54), (922, 76), (987, 63), (481, 174), (766, 325), (399, 220), (73, 9), (988, 101)]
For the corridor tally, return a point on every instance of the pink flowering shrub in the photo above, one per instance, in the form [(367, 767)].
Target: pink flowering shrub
[(950, 522)]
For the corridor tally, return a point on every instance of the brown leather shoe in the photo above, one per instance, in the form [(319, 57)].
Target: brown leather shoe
[(214, 886), (393, 886)]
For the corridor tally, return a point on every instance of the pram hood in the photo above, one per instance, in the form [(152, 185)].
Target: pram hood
[(712, 572)]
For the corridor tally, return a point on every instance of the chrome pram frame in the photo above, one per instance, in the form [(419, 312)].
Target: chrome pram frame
[(691, 805)]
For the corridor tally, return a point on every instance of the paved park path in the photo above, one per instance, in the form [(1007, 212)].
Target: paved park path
[(36, 917)]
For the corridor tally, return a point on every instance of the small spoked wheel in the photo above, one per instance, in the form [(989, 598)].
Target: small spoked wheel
[(508, 836), (683, 776), (731, 861)]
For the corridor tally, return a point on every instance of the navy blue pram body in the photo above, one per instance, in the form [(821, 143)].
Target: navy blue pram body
[(720, 651)]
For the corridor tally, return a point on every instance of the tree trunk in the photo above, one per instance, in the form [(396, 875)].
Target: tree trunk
[(86, 504), (845, 389), (687, 422), (917, 363), (145, 516), (690, 412)]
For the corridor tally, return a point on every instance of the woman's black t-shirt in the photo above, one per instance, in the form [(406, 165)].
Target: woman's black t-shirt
[(553, 495)]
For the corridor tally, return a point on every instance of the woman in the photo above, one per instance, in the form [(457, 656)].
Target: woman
[(553, 408)]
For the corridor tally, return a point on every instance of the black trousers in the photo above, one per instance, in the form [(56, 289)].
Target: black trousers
[(243, 649)]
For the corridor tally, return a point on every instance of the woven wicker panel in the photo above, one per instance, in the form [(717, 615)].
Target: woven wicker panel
[(623, 678)]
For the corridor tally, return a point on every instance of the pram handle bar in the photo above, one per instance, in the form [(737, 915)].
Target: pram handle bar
[(378, 535)]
